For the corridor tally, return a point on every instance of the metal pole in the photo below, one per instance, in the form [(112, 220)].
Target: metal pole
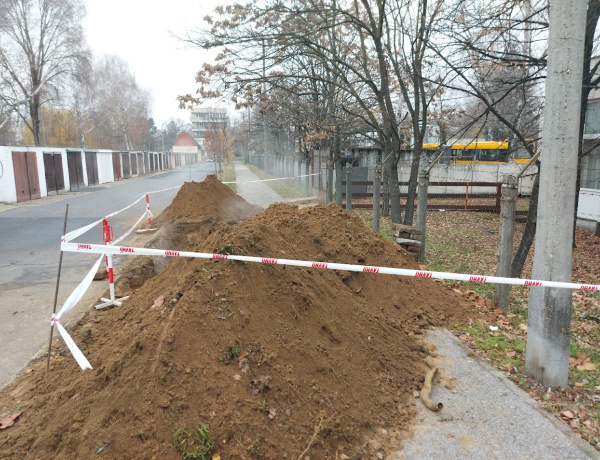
[(422, 209), (338, 182), (56, 292), (376, 197)]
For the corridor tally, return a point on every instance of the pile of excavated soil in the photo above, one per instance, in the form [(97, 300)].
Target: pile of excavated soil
[(192, 215), (279, 362)]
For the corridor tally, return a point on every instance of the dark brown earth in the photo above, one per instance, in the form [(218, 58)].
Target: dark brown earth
[(279, 362)]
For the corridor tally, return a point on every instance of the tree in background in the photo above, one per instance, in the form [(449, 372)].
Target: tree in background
[(219, 144), (350, 63), (122, 106), (169, 133), (81, 97), (40, 41), (59, 128)]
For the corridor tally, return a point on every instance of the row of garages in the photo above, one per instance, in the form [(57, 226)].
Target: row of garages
[(27, 173)]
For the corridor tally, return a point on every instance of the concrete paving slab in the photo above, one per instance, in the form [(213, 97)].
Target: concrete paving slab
[(257, 193)]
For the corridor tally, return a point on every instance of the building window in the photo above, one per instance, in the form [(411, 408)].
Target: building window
[(592, 118), (590, 171)]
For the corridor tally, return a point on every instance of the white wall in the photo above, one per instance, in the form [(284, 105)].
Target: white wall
[(185, 149), (8, 192), (105, 166), (464, 172), (589, 204)]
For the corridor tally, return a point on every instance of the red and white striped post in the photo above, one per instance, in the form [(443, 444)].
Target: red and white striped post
[(107, 237), (148, 210)]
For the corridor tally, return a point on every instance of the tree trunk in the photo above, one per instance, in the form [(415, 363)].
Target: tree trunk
[(506, 235), (412, 186), (385, 210), (338, 181), (593, 14), (396, 212), (530, 226), (34, 112), (376, 197)]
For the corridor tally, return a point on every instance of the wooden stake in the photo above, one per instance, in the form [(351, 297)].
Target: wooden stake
[(56, 291)]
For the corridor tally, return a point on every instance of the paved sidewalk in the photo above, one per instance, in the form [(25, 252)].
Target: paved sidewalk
[(485, 416), (258, 193)]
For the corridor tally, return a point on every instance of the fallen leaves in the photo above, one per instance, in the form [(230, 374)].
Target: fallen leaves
[(568, 414), (511, 369), (583, 363), (9, 421)]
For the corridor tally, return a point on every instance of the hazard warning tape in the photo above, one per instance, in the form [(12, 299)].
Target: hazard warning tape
[(80, 231), (77, 294), (125, 250)]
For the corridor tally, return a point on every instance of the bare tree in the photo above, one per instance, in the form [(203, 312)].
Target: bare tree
[(368, 55), (219, 144), (122, 106), (40, 40), (82, 89)]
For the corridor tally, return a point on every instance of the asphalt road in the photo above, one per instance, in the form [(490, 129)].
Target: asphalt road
[(30, 250)]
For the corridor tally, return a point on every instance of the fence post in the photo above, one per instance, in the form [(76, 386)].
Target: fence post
[(506, 234), (422, 209), (338, 182), (349, 186), (329, 198), (298, 172), (376, 197), (307, 172)]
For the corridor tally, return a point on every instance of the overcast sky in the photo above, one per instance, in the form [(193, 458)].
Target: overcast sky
[(138, 31)]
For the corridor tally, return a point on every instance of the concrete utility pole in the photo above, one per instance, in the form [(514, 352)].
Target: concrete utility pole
[(506, 236), (548, 337)]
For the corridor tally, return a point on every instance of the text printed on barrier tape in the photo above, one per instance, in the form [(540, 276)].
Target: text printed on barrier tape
[(100, 249)]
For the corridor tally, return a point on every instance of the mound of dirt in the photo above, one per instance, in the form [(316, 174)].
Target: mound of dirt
[(192, 215), (278, 362), (205, 201)]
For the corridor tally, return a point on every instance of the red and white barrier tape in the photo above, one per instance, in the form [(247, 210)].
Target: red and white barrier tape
[(131, 229), (71, 301), (80, 290), (100, 249), (80, 231)]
